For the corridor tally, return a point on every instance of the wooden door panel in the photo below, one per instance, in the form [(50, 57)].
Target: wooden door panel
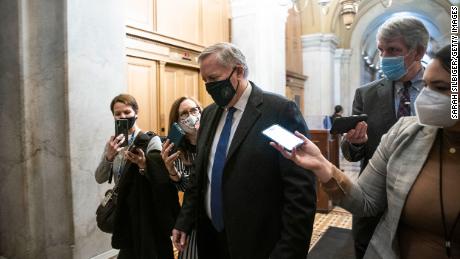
[(179, 19), (142, 84), (139, 14), (178, 81)]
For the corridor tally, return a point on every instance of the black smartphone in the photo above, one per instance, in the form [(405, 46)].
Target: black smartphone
[(344, 124), (121, 127), (176, 135), (283, 137)]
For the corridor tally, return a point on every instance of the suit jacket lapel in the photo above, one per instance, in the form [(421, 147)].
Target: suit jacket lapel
[(208, 128), (250, 115), (386, 95)]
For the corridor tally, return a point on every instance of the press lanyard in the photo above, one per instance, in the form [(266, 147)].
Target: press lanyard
[(447, 234)]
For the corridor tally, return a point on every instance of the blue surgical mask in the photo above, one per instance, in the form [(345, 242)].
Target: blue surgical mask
[(393, 67)]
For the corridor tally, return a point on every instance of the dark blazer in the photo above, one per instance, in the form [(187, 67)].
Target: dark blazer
[(146, 211), (269, 203), (375, 99)]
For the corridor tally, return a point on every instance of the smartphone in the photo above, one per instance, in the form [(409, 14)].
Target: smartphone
[(283, 137), (344, 124), (121, 127), (176, 136)]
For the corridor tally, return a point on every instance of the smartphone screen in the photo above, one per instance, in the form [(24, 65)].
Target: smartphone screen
[(283, 137), (121, 127)]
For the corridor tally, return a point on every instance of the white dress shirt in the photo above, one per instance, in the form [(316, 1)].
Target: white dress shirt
[(240, 105)]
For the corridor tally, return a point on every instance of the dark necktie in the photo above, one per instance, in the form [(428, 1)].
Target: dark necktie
[(217, 171), (404, 100)]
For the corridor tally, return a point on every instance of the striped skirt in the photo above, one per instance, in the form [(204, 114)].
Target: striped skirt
[(190, 251)]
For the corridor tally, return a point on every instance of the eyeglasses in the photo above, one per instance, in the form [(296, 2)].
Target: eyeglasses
[(192, 111)]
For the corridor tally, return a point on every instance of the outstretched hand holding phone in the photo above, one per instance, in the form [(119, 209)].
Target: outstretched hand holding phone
[(283, 137), (308, 156)]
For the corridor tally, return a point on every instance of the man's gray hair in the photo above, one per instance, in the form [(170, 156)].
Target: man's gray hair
[(412, 30), (227, 54)]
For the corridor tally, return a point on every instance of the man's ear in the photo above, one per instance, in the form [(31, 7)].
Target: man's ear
[(240, 72), (420, 52)]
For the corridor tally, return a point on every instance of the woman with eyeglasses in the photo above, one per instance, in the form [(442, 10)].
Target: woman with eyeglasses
[(187, 113)]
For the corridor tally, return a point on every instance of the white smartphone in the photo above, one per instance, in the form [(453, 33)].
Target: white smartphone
[(283, 137)]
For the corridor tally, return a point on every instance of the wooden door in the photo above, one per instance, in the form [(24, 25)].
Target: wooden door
[(176, 81), (142, 84)]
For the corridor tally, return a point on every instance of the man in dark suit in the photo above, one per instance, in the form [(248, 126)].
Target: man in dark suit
[(246, 200), (402, 43)]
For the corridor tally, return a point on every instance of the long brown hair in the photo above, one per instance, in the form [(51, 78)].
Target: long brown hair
[(174, 111), (185, 156)]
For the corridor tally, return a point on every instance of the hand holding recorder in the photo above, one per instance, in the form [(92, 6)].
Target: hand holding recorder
[(354, 126)]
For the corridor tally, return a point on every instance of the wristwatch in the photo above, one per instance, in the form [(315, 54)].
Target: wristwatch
[(142, 171)]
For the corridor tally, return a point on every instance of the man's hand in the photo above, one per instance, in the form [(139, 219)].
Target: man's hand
[(358, 135), (179, 239)]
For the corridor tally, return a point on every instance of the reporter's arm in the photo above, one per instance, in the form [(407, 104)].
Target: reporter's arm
[(368, 196), (103, 169)]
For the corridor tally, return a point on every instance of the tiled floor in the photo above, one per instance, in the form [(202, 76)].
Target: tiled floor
[(338, 217)]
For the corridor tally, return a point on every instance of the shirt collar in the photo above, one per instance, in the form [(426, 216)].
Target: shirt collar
[(416, 81), (241, 103)]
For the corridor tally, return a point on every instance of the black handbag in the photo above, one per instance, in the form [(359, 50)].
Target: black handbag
[(105, 213)]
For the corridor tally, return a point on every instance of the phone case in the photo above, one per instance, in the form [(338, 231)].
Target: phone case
[(121, 127), (344, 124), (176, 135)]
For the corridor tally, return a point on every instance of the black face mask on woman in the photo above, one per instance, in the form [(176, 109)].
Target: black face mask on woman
[(131, 121), (222, 91)]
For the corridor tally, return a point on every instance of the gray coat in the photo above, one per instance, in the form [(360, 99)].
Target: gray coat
[(386, 181), (375, 99)]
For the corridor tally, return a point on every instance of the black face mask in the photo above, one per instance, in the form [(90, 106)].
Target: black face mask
[(222, 91), (131, 121)]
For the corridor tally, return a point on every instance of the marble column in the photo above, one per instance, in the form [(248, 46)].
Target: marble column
[(318, 51), (35, 185), (62, 63), (258, 28), (342, 80)]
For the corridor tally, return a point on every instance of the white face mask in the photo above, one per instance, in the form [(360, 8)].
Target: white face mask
[(433, 109), (189, 125)]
